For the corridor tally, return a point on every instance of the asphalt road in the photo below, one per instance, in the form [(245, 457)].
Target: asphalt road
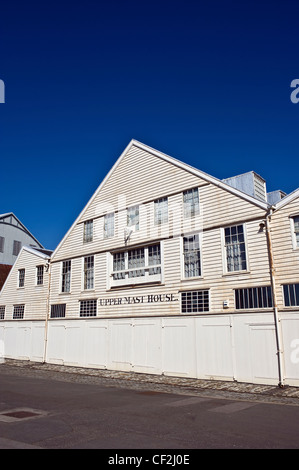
[(55, 411)]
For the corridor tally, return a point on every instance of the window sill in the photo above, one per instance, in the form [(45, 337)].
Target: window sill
[(235, 273)]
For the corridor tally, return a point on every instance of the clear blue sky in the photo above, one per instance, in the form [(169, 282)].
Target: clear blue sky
[(207, 82)]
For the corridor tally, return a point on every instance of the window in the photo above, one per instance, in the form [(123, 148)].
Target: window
[(161, 211), (235, 248), (39, 275), (137, 265), (253, 297), (88, 231), (2, 244), (66, 276), (291, 295), (191, 256), (195, 301), (133, 217), (58, 310), (16, 248), (2, 312), (88, 272), (88, 308), (18, 312), (109, 225), (191, 202), (21, 277), (296, 230)]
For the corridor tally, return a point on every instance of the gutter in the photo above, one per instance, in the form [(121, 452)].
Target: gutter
[(47, 313), (278, 331)]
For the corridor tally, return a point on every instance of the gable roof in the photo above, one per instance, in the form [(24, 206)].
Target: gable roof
[(287, 199), (20, 226), (4, 272), (184, 166)]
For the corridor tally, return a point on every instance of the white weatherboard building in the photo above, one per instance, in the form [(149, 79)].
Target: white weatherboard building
[(168, 270)]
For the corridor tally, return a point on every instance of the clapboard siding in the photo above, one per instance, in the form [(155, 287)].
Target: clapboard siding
[(32, 296)]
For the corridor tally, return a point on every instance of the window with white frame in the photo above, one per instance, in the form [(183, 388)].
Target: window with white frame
[(137, 265), (18, 312), (291, 295), (58, 310), (88, 231), (89, 272), (253, 297), (191, 202), (2, 312), (88, 308), (161, 211), (195, 301), (21, 277), (109, 225), (133, 217), (191, 249), (235, 248), (66, 276), (39, 275), (296, 230)]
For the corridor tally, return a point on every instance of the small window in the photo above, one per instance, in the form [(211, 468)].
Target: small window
[(66, 276), (235, 248), (253, 297), (296, 230), (2, 244), (191, 256), (2, 312), (16, 247), (109, 225), (88, 308), (88, 231), (291, 295), (18, 312), (89, 272), (21, 277), (58, 310), (195, 301), (161, 211), (133, 217), (191, 202), (39, 275)]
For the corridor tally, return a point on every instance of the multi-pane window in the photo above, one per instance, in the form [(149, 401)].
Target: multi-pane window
[(2, 244), (89, 272), (253, 297), (191, 256), (39, 275), (291, 295), (137, 265), (16, 247), (235, 248), (88, 231), (195, 301), (191, 202), (18, 312), (88, 308), (109, 225), (58, 310), (161, 211), (133, 217), (2, 312), (21, 277), (296, 229), (66, 276)]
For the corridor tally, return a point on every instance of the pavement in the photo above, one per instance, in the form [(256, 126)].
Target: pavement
[(140, 381)]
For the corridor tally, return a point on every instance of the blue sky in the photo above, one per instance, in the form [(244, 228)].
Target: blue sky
[(205, 82)]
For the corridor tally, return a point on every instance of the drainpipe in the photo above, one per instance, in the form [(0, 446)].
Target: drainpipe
[(47, 313), (275, 308)]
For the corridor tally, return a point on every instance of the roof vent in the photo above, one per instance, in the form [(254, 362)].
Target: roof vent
[(250, 183)]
